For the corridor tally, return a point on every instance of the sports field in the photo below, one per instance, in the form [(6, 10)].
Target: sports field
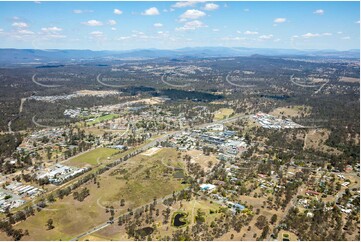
[(93, 157), (103, 118)]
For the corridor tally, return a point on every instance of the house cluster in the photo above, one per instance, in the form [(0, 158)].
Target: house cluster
[(9, 200), (350, 203), (267, 185), (11, 195), (233, 206), (74, 113), (81, 93), (58, 173), (52, 98), (41, 138), (270, 122)]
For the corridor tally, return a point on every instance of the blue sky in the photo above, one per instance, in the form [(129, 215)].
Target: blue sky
[(170, 25)]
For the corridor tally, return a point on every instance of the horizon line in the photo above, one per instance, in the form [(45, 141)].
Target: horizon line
[(234, 47)]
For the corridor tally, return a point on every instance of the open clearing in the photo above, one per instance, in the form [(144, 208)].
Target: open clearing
[(349, 79), (197, 156), (223, 113), (315, 139), (137, 180), (96, 93), (92, 157), (293, 111), (151, 151)]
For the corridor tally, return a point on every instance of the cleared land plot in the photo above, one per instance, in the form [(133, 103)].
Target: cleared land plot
[(92, 157), (197, 156), (315, 139), (223, 113), (151, 151), (293, 111), (137, 180), (349, 79)]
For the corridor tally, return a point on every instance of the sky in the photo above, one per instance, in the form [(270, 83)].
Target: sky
[(124, 25)]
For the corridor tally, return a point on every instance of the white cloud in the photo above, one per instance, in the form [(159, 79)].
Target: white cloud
[(55, 36), (184, 4), (158, 25), (93, 23), (233, 38), (51, 29), (192, 25), (117, 11), (192, 14), (20, 25), (268, 36), (279, 20), (346, 38), (79, 11), (246, 10), (277, 40), (319, 12), (310, 35), (123, 38), (112, 22), (250, 32), (151, 11), (313, 35), (215, 30), (339, 32), (113, 28), (25, 32), (96, 33), (211, 7)]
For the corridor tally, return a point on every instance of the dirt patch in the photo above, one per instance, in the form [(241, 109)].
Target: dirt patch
[(349, 79), (151, 151)]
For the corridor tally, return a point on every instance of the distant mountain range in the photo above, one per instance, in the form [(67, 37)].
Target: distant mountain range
[(36, 56)]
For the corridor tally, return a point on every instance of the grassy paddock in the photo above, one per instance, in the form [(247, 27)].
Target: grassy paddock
[(223, 113)]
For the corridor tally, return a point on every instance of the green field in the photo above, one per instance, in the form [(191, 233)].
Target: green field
[(103, 118), (92, 157)]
